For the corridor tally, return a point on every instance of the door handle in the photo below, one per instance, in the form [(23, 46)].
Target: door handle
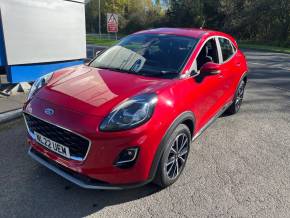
[(218, 73), (220, 76), (238, 64), (215, 72)]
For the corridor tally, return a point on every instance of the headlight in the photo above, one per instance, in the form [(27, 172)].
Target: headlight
[(130, 113), (38, 84)]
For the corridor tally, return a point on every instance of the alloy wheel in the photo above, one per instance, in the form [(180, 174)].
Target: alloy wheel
[(177, 156)]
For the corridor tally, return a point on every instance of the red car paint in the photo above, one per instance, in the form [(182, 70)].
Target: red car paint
[(83, 96)]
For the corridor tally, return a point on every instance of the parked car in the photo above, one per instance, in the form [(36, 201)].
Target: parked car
[(129, 116)]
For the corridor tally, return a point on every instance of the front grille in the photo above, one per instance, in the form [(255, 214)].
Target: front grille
[(78, 146)]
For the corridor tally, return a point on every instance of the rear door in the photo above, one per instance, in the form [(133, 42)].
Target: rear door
[(229, 67)]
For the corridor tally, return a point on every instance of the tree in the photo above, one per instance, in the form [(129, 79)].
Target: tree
[(133, 14), (185, 13), (263, 20), (92, 15)]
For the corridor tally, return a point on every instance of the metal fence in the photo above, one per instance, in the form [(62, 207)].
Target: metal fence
[(92, 49)]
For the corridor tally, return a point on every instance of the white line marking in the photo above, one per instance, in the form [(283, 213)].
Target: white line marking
[(272, 86), (283, 68)]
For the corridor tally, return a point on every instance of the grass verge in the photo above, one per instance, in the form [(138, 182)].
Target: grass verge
[(264, 47), (101, 42), (94, 40)]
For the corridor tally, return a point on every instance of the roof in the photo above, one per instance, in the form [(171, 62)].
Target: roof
[(191, 32)]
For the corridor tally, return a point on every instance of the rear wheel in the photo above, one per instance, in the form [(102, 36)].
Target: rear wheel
[(174, 157), (238, 99)]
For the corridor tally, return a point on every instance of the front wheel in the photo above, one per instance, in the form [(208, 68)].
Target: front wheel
[(237, 102), (174, 157)]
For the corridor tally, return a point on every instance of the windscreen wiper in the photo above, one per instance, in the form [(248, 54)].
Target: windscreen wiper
[(159, 73)]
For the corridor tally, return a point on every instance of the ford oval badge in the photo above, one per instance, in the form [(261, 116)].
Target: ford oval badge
[(49, 111)]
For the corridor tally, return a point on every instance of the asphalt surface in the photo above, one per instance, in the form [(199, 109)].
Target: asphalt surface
[(239, 167)]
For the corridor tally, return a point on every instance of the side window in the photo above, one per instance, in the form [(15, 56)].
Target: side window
[(208, 53), (227, 49)]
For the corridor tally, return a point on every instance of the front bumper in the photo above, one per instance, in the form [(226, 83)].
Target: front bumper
[(105, 147), (78, 179)]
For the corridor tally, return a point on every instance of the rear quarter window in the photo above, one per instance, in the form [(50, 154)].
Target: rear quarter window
[(227, 48)]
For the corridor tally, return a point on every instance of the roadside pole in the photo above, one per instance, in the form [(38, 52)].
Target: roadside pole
[(100, 32)]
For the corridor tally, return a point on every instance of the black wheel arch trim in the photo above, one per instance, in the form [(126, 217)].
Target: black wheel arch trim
[(187, 115), (245, 75)]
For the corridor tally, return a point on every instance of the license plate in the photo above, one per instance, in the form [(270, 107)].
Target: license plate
[(52, 145)]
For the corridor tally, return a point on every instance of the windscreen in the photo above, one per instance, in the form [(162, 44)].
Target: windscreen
[(147, 54)]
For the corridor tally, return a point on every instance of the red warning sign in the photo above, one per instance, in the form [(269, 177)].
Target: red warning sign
[(112, 23)]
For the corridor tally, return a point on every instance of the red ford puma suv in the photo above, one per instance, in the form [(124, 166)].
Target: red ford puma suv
[(129, 116)]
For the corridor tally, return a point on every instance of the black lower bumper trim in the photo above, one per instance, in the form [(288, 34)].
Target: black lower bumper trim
[(76, 178)]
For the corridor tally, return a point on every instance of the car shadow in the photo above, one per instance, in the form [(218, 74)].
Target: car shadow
[(70, 200), (45, 194)]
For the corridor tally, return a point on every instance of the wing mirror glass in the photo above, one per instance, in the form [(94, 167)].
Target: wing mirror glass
[(210, 68)]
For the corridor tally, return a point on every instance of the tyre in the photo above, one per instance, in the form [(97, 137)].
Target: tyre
[(238, 99), (174, 157)]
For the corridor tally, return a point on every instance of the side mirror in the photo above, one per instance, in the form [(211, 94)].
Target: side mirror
[(97, 53), (210, 68)]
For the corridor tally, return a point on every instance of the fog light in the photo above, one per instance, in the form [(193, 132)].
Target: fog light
[(127, 158)]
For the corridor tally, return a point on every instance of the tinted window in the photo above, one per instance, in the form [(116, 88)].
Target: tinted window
[(227, 49), (148, 54)]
